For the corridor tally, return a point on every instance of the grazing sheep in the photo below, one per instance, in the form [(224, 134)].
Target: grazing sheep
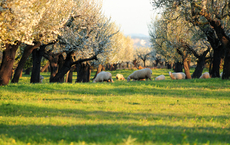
[(120, 77), (140, 74), (177, 75), (103, 76), (41, 78), (205, 75), (161, 77)]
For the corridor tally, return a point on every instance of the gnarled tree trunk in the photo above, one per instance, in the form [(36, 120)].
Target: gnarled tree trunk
[(186, 68), (60, 65), (69, 75), (84, 72), (7, 63), (27, 51), (199, 68), (37, 57)]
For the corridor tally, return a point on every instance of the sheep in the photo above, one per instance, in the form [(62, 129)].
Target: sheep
[(103, 76), (205, 75), (41, 78), (140, 74), (120, 77), (161, 77), (177, 75)]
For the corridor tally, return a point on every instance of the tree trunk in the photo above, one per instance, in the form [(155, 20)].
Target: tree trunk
[(107, 67), (27, 51), (60, 65), (7, 63), (69, 75), (215, 71), (37, 57), (45, 67), (84, 72), (135, 63), (53, 66), (226, 69), (199, 68), (67, 66), (178, 67), (144, 62), (186, 68)]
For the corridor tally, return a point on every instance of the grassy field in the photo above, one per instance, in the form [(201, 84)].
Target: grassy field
[(166, 112)]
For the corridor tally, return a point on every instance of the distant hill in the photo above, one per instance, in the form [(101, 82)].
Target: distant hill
[(140, 40)]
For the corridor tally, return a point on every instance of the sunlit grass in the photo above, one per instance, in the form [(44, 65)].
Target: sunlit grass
[(193, 111)]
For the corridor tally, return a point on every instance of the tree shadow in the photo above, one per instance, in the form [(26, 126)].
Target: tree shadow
[(113, 134), (106, 133), (125, 89)]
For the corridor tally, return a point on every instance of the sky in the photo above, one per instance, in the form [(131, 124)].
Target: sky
[(133, 16)]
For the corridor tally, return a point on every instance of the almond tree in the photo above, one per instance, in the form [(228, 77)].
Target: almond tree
[(87, 35), (211, 16), (144, 54), (173, 36), (30, 22)]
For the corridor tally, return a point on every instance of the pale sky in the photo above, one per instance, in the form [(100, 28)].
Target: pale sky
[(132, 16)]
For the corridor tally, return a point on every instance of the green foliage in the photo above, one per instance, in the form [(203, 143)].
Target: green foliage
[(192, 111)]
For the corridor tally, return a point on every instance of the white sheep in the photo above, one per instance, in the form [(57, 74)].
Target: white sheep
[(177, 75), (41, 78), (103, 76), (205, 75), (120, 77), (140, 74), (161, 77)]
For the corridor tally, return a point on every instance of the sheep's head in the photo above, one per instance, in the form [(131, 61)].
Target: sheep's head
[(128, 79)]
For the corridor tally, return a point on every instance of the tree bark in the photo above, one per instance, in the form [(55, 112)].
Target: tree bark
[(60, 65), (7, 63), (67, 66), (69, 75), (84, 72), (144, 62), (53, 60), (186, 68), (199, 68), (226, 68), (27, 51), (37, 57), (215, 71), (178, 67)]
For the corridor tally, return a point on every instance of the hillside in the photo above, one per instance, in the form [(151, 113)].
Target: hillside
[(140, 40)]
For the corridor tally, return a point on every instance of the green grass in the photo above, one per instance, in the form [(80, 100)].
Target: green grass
[(167, 112)]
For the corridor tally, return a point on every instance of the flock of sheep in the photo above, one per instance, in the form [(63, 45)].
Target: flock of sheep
[(142, 74), (139, 75)]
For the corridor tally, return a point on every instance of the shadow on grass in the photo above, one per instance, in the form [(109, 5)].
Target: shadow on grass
[(165, 88), (14, 110), (113, 134), (106, 133)]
